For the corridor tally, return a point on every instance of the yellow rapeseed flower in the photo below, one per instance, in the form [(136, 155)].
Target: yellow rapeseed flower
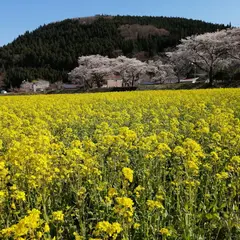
[(222, 175), (154, 205), (111, 230), (46, 228), (112, 192), (136, 225), (165, 231), (58, 216), (128, 173)]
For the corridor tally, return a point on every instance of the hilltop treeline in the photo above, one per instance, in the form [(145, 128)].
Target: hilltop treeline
[(52, 50)]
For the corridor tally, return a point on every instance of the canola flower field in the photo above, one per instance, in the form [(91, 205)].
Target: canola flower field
[(137, 165)]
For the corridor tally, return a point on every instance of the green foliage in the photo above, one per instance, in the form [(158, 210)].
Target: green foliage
[(52, 50), (16, 75)]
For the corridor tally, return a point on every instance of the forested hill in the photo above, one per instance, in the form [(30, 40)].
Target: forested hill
[(51, 51)]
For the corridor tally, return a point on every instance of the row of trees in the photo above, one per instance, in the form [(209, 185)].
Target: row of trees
[(209, 52), (93, 70)]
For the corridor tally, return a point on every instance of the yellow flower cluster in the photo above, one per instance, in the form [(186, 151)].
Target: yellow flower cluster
[(108, 230), (154, 205), (120, 165), (128, 174), (165, 231), (58, 216), (25, 226), (124, 207), (138, 190), (112, 192)]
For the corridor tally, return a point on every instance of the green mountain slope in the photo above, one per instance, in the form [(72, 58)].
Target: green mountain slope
[(51, 51)]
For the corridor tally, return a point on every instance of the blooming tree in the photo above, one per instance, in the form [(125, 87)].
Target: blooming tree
[(159, 72), (231, 67), (91, 71), (210, 52), (206, 51), (232, 41), (130, 69), (180, 63)]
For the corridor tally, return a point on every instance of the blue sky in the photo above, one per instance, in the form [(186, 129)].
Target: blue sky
[(19, 16)]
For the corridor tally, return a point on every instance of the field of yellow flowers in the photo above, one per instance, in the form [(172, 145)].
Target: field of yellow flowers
[(139, 165)]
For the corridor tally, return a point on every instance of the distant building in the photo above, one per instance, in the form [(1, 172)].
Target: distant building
[(113, 81)]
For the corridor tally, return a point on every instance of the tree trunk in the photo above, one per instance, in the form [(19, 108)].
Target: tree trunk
[(98, 83), (178, 78), (210, 74), (133, 80)]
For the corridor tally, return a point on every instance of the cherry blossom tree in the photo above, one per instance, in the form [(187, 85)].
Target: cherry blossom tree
[(232, 41), (130, 69), (210, 52), (180, 63), (91, 71), (159, 72), (206, 51), (231, 67)]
